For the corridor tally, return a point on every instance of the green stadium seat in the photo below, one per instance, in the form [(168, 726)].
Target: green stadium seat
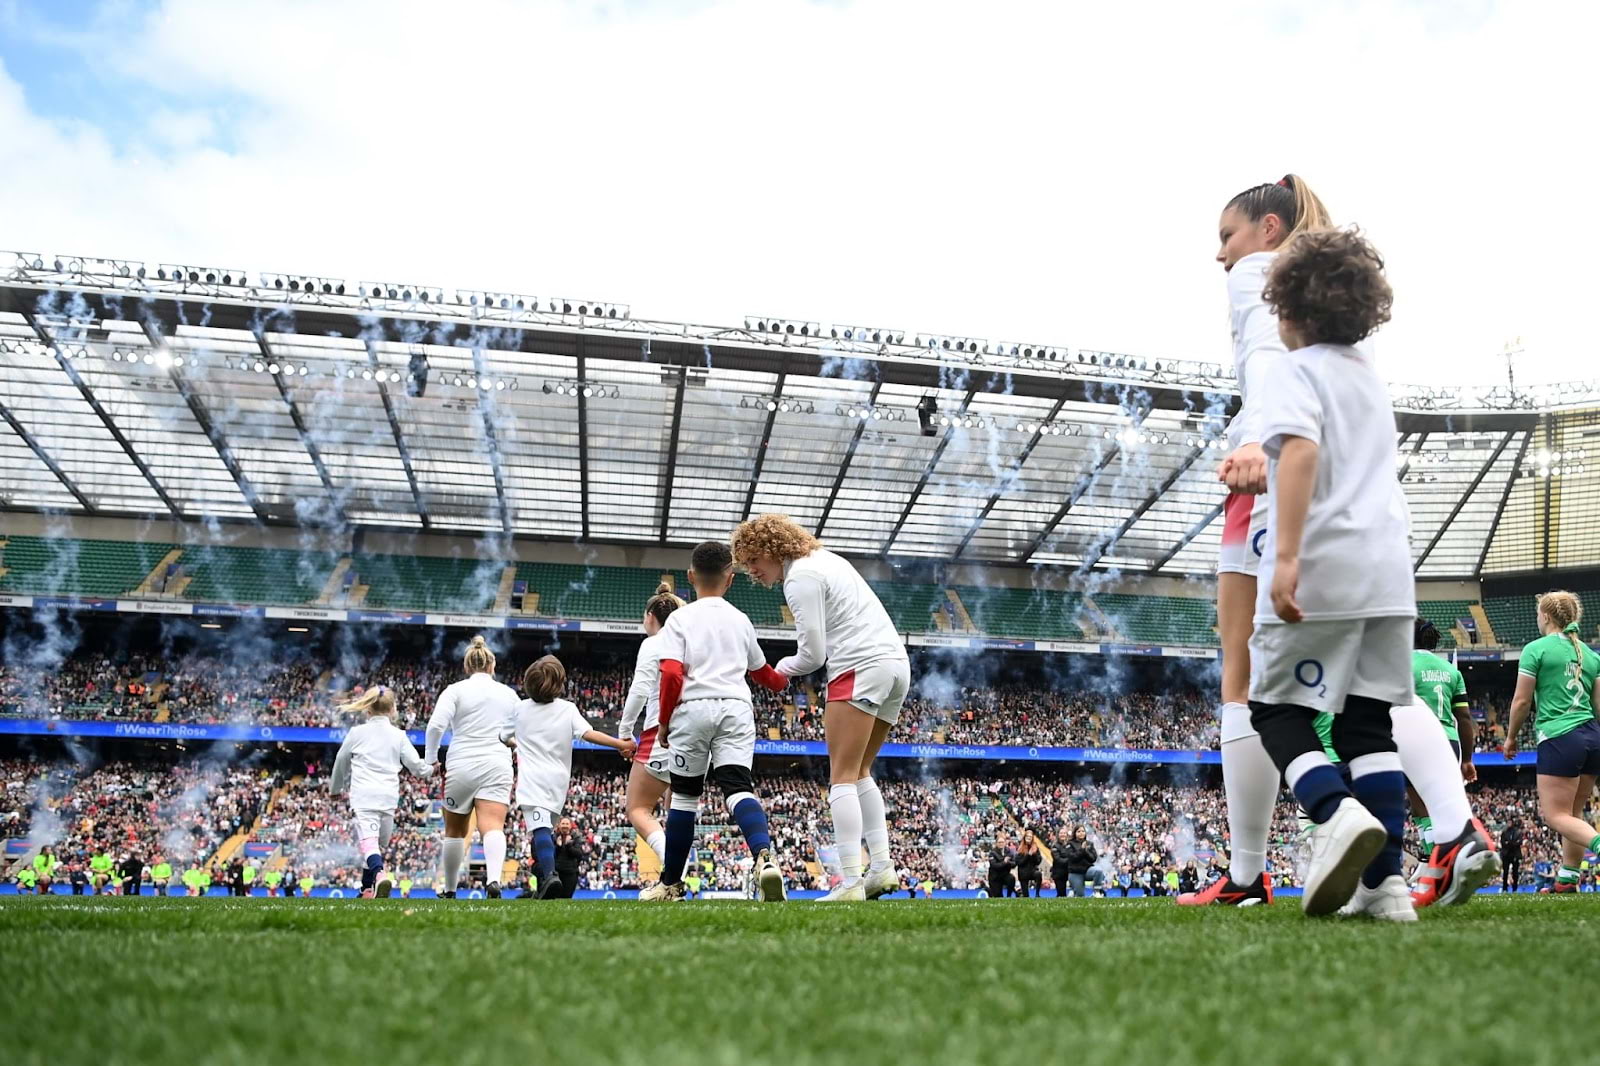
[(68, 566), (1444, 614), (427, 583), (255, 575)]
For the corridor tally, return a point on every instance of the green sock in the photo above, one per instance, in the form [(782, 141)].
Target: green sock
[(1424, 826), (1594, 845), (1569, 876)]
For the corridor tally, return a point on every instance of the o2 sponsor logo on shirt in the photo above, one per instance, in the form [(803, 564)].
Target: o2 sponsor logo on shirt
[(1255, 541), (1309, 673)]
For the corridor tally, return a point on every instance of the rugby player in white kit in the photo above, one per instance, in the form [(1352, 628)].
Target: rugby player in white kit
[(477, 712), (649, 779), (839, 621), (368, 768), (708, 649)]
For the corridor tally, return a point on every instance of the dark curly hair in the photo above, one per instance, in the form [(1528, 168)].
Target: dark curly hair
[(1329, 286)]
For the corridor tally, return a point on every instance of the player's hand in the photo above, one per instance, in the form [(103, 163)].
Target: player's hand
[(1245, 470), (629, 746), (438, 769), (1285, 583), (661, 738), (1509, 748), (1469, 772)]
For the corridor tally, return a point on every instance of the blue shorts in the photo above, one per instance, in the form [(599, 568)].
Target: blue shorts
[(1455, 746), (1573, 753)]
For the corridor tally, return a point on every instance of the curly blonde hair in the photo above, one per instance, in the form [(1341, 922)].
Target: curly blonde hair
[(771, 536)]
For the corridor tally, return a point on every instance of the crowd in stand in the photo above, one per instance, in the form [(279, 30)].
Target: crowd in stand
[(948, 830)]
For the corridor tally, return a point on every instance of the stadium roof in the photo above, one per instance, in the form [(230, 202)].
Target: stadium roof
[(201, 393)]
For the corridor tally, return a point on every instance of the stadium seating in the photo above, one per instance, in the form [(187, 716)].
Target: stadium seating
[(69, 566), (255, 575), (420, 582), (911, 606), (1444, 614), (1038, 614), (1161, 619), (1513, 619)]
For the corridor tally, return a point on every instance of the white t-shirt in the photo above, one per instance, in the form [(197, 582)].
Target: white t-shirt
[(369, 761), (476, 712), (545, 732), (838, 619), (717, 646), (1256, 343), (1355, 554), (644, 695)]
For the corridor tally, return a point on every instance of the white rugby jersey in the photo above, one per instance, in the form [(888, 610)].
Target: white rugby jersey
[(838, 619), (476, 712), (1355, 554), (545, 732), (1255, 341), (716, 644), (369, 761), (644, 695)]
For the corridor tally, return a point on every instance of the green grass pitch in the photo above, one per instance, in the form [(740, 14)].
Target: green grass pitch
[(1019, 983)]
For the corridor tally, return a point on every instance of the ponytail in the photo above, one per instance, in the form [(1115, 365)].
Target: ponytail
[(1292, 200), (663, 603), (479, 659), (379, 699), (1564, 611)]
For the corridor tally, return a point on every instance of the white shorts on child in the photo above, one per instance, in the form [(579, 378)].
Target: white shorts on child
[(1319, 664), (708, 733), (538, 817), (374, 825)]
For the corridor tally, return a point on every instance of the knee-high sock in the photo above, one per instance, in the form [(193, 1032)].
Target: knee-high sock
[(1432, 767), (1251, 783), (455, 850), (680, 836), (658, 843), (874, 823), (752, 820), (544, 855), (494, 854), (369, 870), (1378, 783), (846, 807)]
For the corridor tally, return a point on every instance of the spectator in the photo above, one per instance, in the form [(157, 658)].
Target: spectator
[(1002, 864), (1511, 857), (1081, 857), (132, 871), (1028, 860)]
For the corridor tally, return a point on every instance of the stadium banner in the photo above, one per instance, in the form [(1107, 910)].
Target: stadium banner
[(1189, 653), (229, 610), (309, 614), (1487, 656), (557, 625), (1131, 649), (775, 634), (1070, 647), (16, 601), (154, 607), (467, 621), (936, 640), (808, 748), (620, 628), (74, 603), (404, 618)]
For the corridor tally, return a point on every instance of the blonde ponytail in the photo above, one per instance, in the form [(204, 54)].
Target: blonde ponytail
[(1299, 208), (479, 659), (663, 603), (1564, 610), (379, 699)]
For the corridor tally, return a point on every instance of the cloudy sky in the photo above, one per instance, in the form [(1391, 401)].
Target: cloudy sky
[(1043, 172)]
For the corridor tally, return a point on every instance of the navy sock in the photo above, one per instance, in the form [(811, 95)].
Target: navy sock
[(753, 824), (544, 855), (1319, 791), (680, 839), (1384, 794), (369, 873)]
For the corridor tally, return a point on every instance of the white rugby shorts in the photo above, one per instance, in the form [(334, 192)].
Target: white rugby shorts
[(1319, 664), (1244, 530), (374, 824), (538, 817), (476, 777), (710, 733), (652, 756), (879, 688)]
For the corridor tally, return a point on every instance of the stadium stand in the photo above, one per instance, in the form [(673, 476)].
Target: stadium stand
[(1513, 618), (69, 566), (425, 582), (219, 574), (1446, 616), (1042, 614), (1160, 619)]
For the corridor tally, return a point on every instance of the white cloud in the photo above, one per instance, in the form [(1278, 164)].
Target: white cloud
[(1020, 171)]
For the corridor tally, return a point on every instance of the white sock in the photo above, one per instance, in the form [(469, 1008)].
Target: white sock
[(846, 806), (455, 850), (658, 844), (494, 855), (1432, 768), (1251, 782), (874, 823)]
